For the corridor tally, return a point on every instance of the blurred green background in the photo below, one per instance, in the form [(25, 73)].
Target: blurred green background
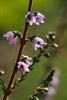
[(12, 18)]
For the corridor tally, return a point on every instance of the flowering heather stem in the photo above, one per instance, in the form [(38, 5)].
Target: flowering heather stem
[(19, 56)]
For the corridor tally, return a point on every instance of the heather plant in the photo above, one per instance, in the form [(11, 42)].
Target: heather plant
[(24, 63)]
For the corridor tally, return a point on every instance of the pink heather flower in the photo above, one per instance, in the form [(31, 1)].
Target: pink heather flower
[(10, 37), (39, 18), (23, 67), (38, 43), (29, 18), (36, 18)]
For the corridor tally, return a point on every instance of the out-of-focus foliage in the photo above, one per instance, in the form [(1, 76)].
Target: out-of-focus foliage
[(11, 18)]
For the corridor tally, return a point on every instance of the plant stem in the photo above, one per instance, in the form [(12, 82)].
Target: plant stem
[(19, 56)]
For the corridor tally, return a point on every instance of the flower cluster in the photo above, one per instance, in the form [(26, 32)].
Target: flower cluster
[(34, 18), (24, 64)]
